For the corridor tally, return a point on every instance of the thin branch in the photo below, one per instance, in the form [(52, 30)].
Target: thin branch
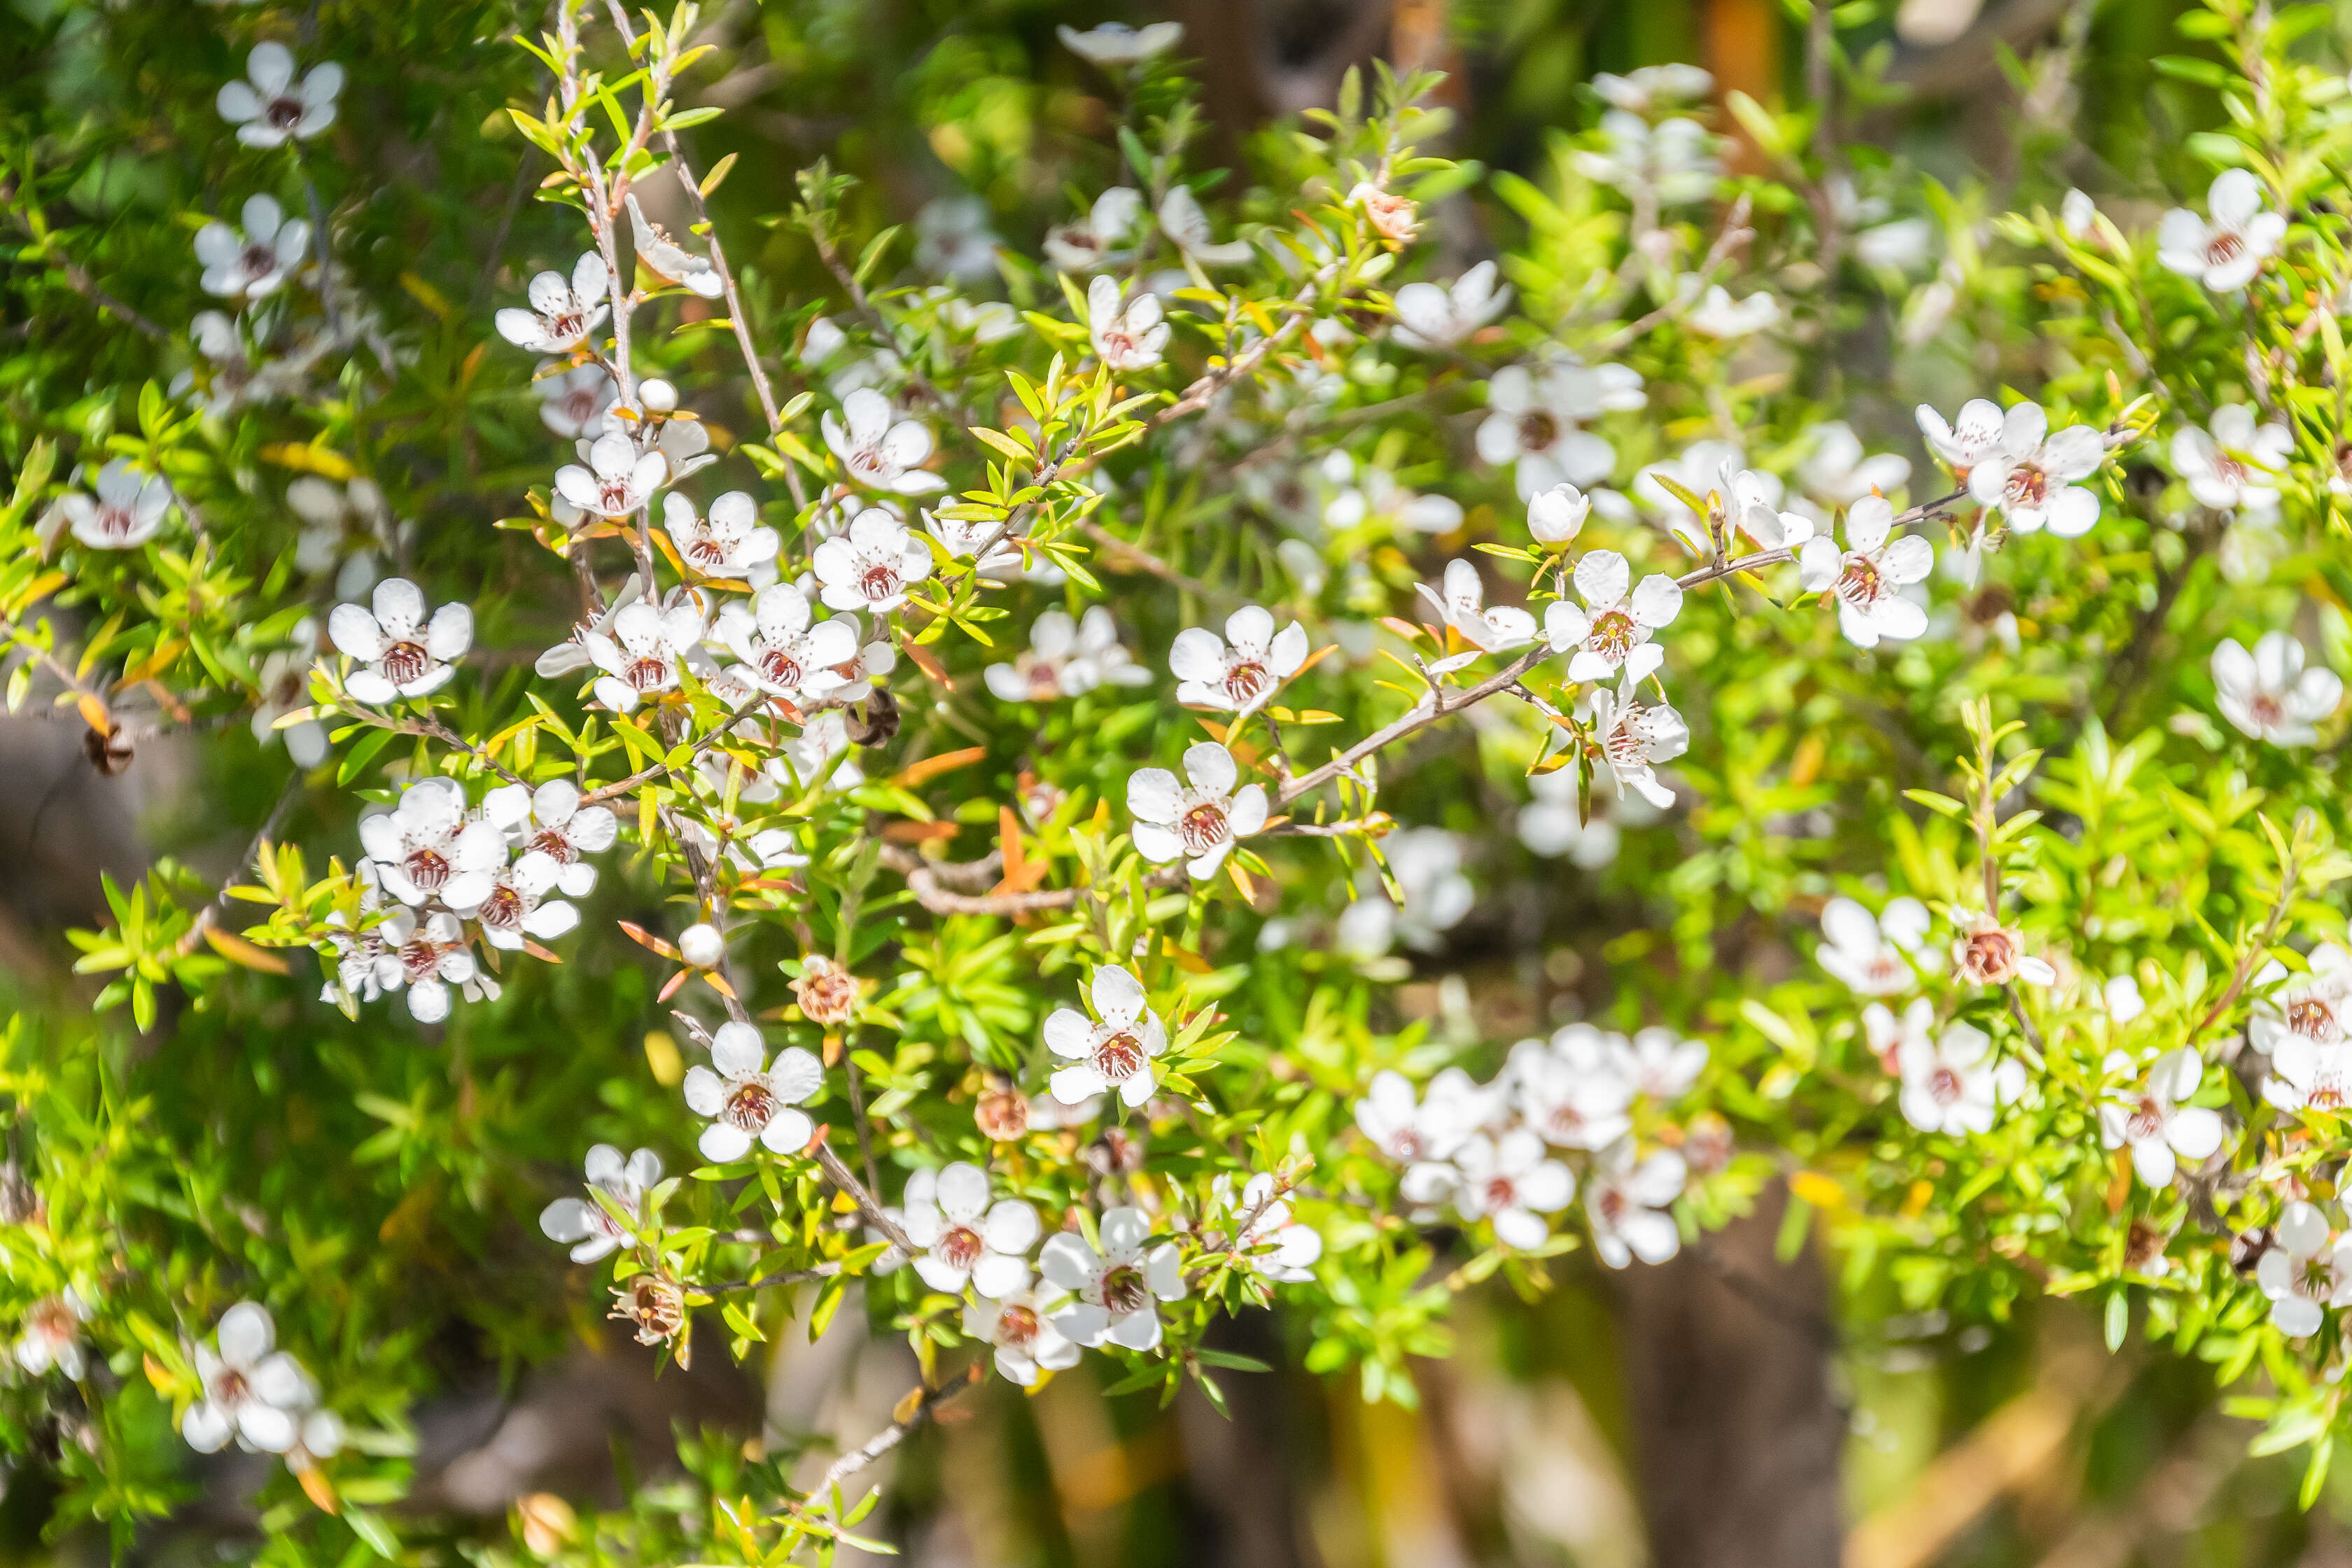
[(209, 916), (1135, 555), (890, 1436)]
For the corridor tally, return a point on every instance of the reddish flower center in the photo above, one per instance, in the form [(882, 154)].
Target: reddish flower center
[(1991, 957), (879, 582), (752, 1107), (283, 113), (115, 521), (2311, 1017), (427, 868), (1860, 585), (2145, 1122), (1120, 1058), (781, 668), (1502, 1192), (646, 674), (554, 844), (420, 958), (1246, 679), (1124, 1290), (562, 327), (2027, 485), (1202, 827), (707, 551), (960, 1247), (1016, 1329), (259, 261), (503, 910), (2224, 246), (1614, 634), (1944, 1085), (405, 662), (1537, 431)]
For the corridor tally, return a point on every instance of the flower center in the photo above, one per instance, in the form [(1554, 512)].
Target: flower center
[(1625, 745), (879, 582), (1016, 1327), (960, 1247), (2223, 247), (1612, 1205), (232, 1388), (2266, 708), (1614, 634), (617, 495), (1944, 1084), (1120, 1058), (752, 1107), (405, 662), (115, 521), (1537, 431), (2027, 485), (1992, 956), (554, 844), (580, 405), (2147, 1120), (646, 674), (428, 868), (258, 260), (283, 113), (1202, 827), (563, 326), (1502, 1192), (2311, 1017), (1246, 679), (503, 910), (1043, 677), (420, 958), (708, 551), (870, 462), (1860, 585), (1124, 1291)]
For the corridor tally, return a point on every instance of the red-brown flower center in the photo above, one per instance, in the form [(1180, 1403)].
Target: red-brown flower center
[(1537, 431), (405, 662), (1120, 1058), (283, 113), (553, 843), (2027, 485), (960, 1247), (750, 1107), (1202, 828), (427, 868), (1124, 1290), (647, 674), (2223, 247), (879, 582), (1016, 1327)]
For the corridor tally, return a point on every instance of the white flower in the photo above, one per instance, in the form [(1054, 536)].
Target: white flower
[(1083, 246), (702, 945), (1197, 822), (573, 401), (2308, 1074), (618, 480), (2304, 1272), (401, 653), (1118, 1289), (2077, 213), (1988, 954), (251, 1393), (1241, 671), (963, 1237), (1838, 473), (1635, 738), (1438, 315), (1536, 421), (1065, 659), (284, 682), (1901, 246), (2120, 997), (2029, 475), (427, 847), (2233, 463), (1183, 222), (880, 450), (1672, 163), (126, 512), (517, 906), (2154, 1123), (1654, 86), (1116, 43), (1555, 516), (1117, 1051), (1947, 1086), (52, 1335), (663, 257), (1718, 315), (1888, 1034), (781, 652), (1025, 1339), (644, 652), (550, 821), (953, 239), (584, 1221), (270, 107), (1612, 631), (729, 542), (745, 1099), (2315, 1009), (1425, 863), (1426, 1132), (871, 566), (1875, 955), (1127, 332), (561, 314), (253, 262), (1463, 606), (428, 956), (2269, 695), (2225, 250), (1626, 1203), (1513, 1182), (1270, 1244), (1869, 575), (1659, 1062), (1570, 1090), (1967, 441)]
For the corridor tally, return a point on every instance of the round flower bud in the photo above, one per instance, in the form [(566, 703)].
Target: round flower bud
[(658, 396), (1002, 1114), (827, 992), (702, 945)]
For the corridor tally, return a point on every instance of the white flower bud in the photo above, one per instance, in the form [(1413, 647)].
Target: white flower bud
[(658, 396), (1557, 516), (702, 945)]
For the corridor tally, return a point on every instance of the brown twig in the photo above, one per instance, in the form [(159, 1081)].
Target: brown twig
[(926, 1408)]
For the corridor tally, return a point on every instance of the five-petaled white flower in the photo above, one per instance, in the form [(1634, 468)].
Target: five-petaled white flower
[(964, 1237), (2226, 248), (2154, 1122), (1083, 246), (663, 257), (582, 1223), (252, 1393), (748, 1099), (872, 565), (2029, 474), (2317, 1005), (729, 542), (51, 1336), (252, 262), (2269, 694), (2234, 462), (561, 314), (1535, 420), (642, 656), (1116, 43), (1967, 440), (1947, 1085), (1635, 738), (550, 821), (1127, 333), (426, 847), (1627, 1202), (1241, 671), (1198, 821), (1877, 955), (2305, 1271), (953, 239), (781, 652), (1119, 1289), (1185, 224), (516, 907), (1658, 1062), (125, 513), (1511, 1180), (1868, 576), (573, 401), (401, 652), (1024, 1338), (1116, 1051), (619, 480), (1463, 606), (1421, 1132), (881, 451), (1440, 315), (1268, 1242), (269, 107), (1066, 657), (428, 956), (1612, 631), (2308, 1074), (1569, 1090)]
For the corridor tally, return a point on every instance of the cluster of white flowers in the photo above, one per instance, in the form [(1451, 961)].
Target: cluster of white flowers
[(257, 1395), (1487, 1149)]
